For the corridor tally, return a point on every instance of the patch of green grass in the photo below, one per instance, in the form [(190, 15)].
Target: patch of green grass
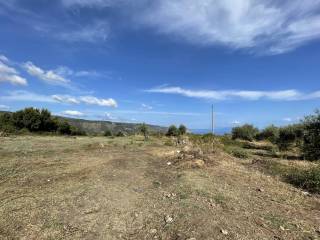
[(306, 179), (237, 152)]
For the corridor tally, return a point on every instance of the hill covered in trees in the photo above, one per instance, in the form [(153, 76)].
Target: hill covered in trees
[(36, 120)]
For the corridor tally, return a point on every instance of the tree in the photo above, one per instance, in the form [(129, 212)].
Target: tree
[(287, 137), (173, 131), (29, 118), (270, 133), (64, 128), (144, 130), (311, 138), (107, 133), (182, 129), (246, 132)]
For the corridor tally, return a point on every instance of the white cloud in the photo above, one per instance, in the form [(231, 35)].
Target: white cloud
[(287, 119), (66, 71), (229, 94), (236, 122), (110, 117), (4, 107), (65, 99), (87, 3), (100, 102), (278, 26), (9, 74), (4, 59), (146, 107), (73, 113), (97, 32), (47, 76)]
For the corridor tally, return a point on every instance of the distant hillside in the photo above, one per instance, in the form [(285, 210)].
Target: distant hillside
[(91, 126), (99, 127)]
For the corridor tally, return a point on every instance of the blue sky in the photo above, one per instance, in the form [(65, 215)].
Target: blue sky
[(162, 61)]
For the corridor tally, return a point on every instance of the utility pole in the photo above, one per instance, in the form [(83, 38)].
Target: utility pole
[(212, 120)]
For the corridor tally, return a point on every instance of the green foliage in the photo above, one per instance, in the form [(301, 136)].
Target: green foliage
[(120, 134), (6, 123), (64, 128), (246, 132), (173, 131), (311, 140), (287, 137), (107, 133), (270, 133), (237, 152), (143, 128), (182, 129), (306, 179)]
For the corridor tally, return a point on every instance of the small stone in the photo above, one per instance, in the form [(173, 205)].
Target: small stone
[(153, 231), (306, 193), (260, 190), (282, 228), (224, 232), (168, 219), (169, 163)]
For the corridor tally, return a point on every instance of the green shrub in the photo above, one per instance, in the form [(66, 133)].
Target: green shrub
[(182, 129), (306, 179), (143, 128), (246, 132), (270, 133), (287, 137), (64, 128), (120, 134), (311, 139), (107, 133), (237, 152), (172, 131)]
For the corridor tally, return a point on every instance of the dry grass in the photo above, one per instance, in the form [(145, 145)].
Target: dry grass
[(123, 188)]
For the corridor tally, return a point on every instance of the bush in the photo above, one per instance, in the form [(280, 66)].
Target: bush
[(311, 139), (270, 133), (306, 179), (238, 152), (64, 128), (182, 129), (107, 133), (173, 131), (287, 137), (246, 132), (143, 128), (120, 134)]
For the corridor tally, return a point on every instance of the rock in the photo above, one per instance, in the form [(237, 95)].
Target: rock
[(282, 228), (224, 232), (153, 231), (306, 193), (169, 163), (168, 219), (198, 163), (260, 190)]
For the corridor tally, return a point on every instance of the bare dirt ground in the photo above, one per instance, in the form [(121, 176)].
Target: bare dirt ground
[(124, 188)]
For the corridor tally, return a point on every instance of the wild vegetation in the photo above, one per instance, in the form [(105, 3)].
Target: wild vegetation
[(148, 185)]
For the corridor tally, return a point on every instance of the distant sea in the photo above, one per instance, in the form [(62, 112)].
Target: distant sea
[(218, 131)]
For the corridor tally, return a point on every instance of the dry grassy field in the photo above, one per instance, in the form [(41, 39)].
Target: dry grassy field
[(125, 188)]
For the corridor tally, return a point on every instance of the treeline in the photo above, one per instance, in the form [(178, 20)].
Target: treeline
[(36, 121), (304, 136)]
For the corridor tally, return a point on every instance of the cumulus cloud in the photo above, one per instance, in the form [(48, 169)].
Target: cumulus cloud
[(287, 119), (100, 102), (73, 113), (10, 74), (65, 99), (50, 76), (286, 95)]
